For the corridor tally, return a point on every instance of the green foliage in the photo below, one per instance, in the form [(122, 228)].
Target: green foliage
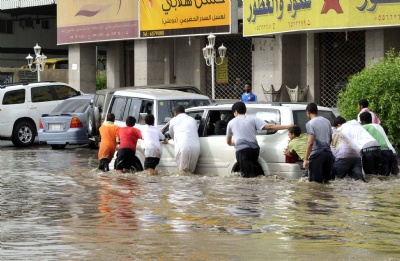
[(101, 82), (379, 83)]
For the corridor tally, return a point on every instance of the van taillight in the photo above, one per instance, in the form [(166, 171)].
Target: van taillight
[(40, 123), (291, 159), (75, 123)]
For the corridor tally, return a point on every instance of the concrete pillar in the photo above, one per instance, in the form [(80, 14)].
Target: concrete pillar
[(82, 67), (189, 61), (374, 45), (311, 74), (267, 66), (292, 54), (115, 65), (149, 62)]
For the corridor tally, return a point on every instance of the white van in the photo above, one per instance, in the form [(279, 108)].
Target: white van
[(159, 102)]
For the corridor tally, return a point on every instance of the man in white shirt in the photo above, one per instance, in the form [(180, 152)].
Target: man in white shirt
[(360, 139), (183, 130)]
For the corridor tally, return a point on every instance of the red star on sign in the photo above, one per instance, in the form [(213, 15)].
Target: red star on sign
[(332, 4)]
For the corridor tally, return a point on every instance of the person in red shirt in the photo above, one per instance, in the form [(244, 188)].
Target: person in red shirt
[(128, 137)]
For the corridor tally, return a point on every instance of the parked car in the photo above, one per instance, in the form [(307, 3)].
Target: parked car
[(102, 100), (219, 158), (22, 104), (67, 123)]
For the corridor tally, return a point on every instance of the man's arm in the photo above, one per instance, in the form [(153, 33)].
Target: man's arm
[(310, 143), (229, 141), (269, 126)]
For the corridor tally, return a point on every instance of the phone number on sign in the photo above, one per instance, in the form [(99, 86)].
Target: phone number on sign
[(153, 33)]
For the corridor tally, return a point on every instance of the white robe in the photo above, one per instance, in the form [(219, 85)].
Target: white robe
[(183, 130)]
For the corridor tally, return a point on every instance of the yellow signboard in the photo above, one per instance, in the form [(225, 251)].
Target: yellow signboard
[(163, 18), (96, 20), (262, 17), (222, 75)]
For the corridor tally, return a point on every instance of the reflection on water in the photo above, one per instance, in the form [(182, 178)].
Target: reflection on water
[(56, 205)]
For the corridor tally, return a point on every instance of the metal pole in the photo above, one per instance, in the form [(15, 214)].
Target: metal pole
[(212, 77), (38, 69)]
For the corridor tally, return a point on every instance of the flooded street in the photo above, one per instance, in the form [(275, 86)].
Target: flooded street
[(55, 205)]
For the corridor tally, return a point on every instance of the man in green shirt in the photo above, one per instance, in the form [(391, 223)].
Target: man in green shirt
[(386, 153)]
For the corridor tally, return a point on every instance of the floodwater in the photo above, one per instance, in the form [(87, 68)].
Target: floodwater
[(55, 205)]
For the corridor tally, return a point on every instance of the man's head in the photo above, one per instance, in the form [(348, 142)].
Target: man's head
[(311, 109), (365, 118), (179, 109), (149, 119), (294, 132), (130, 121), (110, 117), (339, 121), (238, 108), (247, 87), (362, 104)]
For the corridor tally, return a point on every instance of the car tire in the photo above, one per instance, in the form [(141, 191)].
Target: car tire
[(58, 146), (91, 123), (23, 134)]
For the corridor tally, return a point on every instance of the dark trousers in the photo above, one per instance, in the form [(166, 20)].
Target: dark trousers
[(371, 161), (320, 166), (394, 166), (103, 165), (350, 166), (386, 162), (125, 159), (247, 159)]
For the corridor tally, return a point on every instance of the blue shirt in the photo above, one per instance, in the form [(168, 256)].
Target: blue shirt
[(247, 97)]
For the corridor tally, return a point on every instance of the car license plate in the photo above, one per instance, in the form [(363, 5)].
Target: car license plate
[(55, 127)]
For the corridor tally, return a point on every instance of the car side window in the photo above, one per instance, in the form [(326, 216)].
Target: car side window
[(217, 121), (118, 107), (64, 92), (99, 102), (41, 94), (132, 108), (201, 123), (271, 116), (14, 97)]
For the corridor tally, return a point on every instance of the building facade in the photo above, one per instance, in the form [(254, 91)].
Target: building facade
[(274, 47)]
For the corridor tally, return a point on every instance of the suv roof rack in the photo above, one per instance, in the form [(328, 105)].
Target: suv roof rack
[(2, 86)]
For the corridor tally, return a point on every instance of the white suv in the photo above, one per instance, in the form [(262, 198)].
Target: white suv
[(22, 105), (219, 158)]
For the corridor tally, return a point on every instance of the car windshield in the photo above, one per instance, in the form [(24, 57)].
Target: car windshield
[(72, 106), (166, 108)]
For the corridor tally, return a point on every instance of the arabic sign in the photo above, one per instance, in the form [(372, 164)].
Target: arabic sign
[(222, 75), (262, 17), (81, 21), (163, 18)]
